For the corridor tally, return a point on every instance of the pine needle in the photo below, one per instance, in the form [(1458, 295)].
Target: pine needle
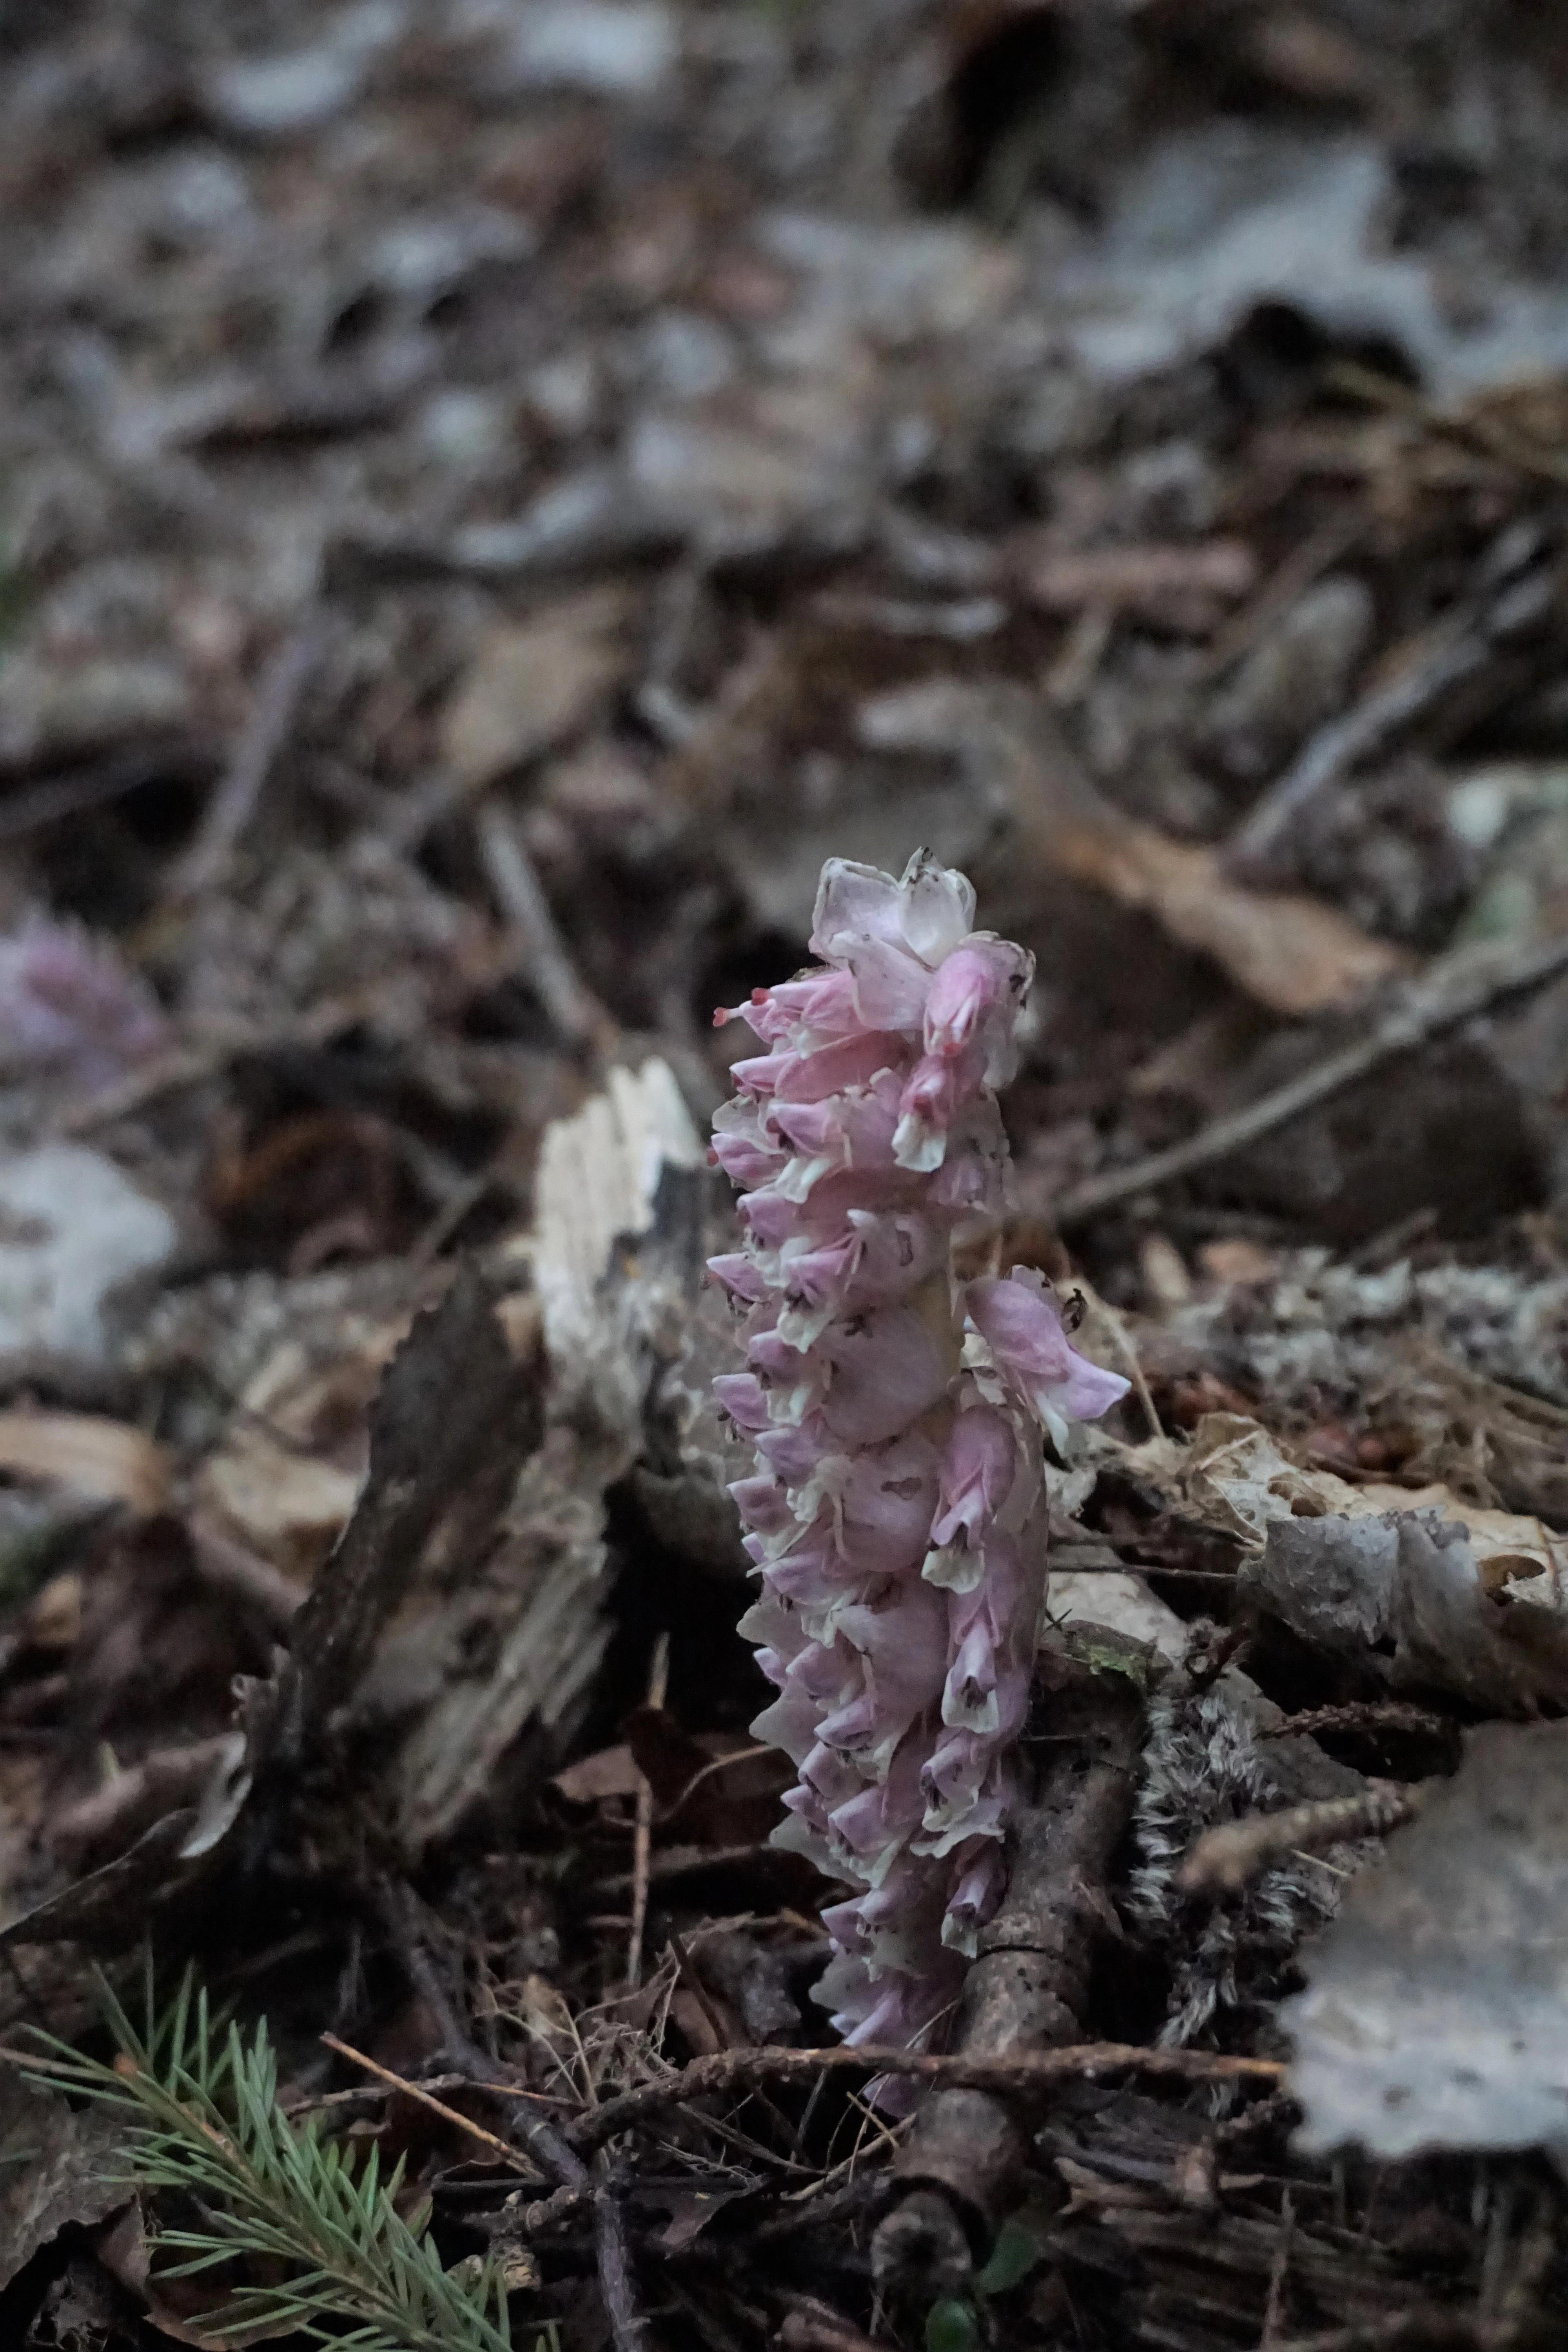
[(201, 2103)]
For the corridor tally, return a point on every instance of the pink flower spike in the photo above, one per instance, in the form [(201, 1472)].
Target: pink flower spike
[(886, 1520), (1023, 1329)]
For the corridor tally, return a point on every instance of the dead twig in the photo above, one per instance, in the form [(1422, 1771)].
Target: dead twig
[(617, 2286), (1223, 1859), (238, 789), (809, 2326), (1506, 604), (1452, 991), (570, 1002), (642, 1849), (462, 2123), (541, 2137), (1370, 1714), (1024, 1995), (1019, 2071)]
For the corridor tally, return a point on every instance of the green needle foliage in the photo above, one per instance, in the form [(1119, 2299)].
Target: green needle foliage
[(342, 2263)]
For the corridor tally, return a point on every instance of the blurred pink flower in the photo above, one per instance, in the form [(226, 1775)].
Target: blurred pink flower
[(71, 1004)]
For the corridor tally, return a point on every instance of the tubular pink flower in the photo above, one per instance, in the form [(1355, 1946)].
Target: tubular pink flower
[(895, 1518), (740, 1275), (70, 1004), (885, 1370), (973, 1000), (981, 1877), (978, 1465), (1023, 1329), (742, 1396), (937, 1090), (763, 1505)]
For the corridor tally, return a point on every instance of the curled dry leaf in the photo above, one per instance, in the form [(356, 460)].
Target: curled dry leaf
[(1432, 2014), (1403, 1596), (1234, 1477)]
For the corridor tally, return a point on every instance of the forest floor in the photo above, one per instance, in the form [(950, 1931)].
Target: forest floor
[(492, 493)]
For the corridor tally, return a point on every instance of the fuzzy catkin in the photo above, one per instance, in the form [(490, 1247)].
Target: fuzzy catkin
[(896, 1516)]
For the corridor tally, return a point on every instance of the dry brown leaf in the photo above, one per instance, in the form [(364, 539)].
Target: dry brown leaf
[(283, 1503), (533, 683), (1290, 953), (608, 1772), (109, 1460), (1232, 1477)]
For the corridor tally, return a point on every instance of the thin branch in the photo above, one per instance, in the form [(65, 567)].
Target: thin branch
[(234, 800), (642, 1850), (541, 954), (437, 2106), (1370, 1714), (1020, 2071), (1223, 1859), (1454, 989), (1506, 604)]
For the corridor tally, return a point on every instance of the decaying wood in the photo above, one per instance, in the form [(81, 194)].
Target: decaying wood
[(454, 1394), (613, 1260), (1024, 1993)]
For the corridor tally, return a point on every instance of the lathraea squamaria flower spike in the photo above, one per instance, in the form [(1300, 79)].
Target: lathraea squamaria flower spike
[(896, 1518)]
